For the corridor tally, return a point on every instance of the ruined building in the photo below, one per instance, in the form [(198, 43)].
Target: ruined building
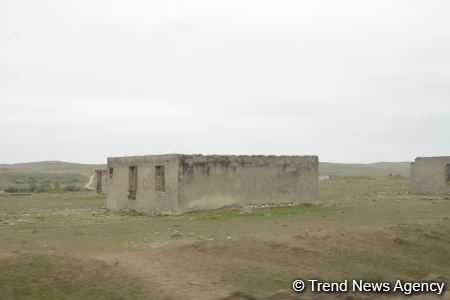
[(430, 175), (173, 183), (100, 181)]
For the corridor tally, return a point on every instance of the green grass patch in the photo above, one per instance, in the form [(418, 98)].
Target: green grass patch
[(297, 211)]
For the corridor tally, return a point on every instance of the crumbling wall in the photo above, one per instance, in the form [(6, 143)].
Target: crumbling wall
[(158, 184), (100, 181), (210, 182), (430, 175), (150, 196)]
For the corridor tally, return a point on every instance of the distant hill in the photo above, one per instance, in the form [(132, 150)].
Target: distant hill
[(373, 169), (46, 172), (64, 173), (51, 167)]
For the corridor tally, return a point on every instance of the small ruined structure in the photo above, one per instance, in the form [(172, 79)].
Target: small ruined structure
[(430, 175), (174, 183), (100, 181)]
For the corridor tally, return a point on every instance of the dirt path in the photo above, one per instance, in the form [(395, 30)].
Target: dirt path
[(88, 185)]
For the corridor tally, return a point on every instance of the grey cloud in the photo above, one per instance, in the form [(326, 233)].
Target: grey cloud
[(348, 80)]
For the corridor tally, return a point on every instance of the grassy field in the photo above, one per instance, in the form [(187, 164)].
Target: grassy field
[(68, 246)]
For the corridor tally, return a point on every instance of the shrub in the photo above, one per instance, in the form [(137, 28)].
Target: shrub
[(11, 189), (44, 188), (33, 187), (71, 188), (25, 190)]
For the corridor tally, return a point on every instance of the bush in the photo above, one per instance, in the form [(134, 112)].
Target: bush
[(33, 187), (25, 190), (11, 189), (71, 188), (43, 188)]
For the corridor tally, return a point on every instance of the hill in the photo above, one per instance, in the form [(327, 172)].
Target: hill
[(61, 173), (373, 169), (50, 173), (51, 167)]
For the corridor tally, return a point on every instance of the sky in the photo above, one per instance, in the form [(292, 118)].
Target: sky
[(350, 81)]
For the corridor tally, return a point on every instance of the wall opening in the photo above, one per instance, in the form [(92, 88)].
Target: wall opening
[(111, 172), (132, 183), (159, 179)]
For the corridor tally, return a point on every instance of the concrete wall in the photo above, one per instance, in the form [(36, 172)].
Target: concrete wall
[(429, 175), (148, 199), (209, 182), (101, 181), (197, 182)]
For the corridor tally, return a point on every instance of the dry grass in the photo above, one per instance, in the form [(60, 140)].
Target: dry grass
[(365, 228)]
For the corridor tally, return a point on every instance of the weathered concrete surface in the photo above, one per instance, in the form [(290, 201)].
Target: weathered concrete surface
[(148, 200), (430, 175), (100, 181), (198, 182), (209, 182)]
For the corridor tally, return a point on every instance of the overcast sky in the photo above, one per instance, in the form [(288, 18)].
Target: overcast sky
[(350, 81)]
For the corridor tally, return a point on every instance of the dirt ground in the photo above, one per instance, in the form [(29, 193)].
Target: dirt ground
[(68, 246)]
